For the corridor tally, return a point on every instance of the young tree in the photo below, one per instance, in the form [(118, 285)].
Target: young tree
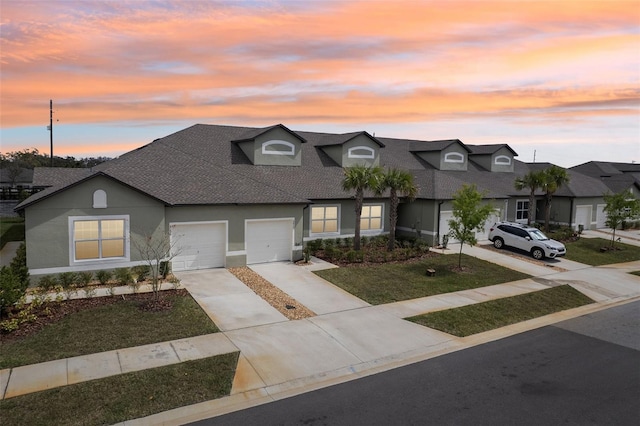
[(620, 207), (553, 178), (469, 216), (531, 181), (399, 183), (360, 178), (154, 250)]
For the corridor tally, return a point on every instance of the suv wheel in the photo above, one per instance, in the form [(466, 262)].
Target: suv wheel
[(498, 243), (537, 253)]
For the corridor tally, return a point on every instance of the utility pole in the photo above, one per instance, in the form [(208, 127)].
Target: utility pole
[(51, 128)]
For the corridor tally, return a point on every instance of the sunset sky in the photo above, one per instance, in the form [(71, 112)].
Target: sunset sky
[(558, 78)]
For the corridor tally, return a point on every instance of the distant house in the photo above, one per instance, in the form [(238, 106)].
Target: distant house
[(231, 196)]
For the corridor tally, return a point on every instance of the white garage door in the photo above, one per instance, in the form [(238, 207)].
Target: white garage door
[(198, 245), (268, 240), (446, 216), (583, 216)]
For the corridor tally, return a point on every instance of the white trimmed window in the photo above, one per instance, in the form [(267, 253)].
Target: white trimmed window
[(371, 218), (522, 210), (324, 219), (361, 152), (98, 238), (277, 147), (454, 157)]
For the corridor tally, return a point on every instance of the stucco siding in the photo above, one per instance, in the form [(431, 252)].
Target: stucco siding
[(47, 222), (235, 216)]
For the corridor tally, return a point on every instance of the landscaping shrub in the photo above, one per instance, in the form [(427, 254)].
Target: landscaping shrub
[(12, 289), (123, 276), (103, 277), (68, 282), (328, 244), (165, 268), (83, 279), (48, 283), (314, 246), (140, 272), (19, 265)]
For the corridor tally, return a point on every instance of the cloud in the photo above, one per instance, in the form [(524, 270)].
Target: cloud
[(318, 62)]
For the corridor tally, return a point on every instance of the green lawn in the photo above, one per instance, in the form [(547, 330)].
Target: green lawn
[(104, 328), (480, 317), (11, 229), (123, 397), (587, 251), (386, 283)]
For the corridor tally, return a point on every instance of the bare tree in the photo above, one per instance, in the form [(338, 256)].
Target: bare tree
[(155, 249)]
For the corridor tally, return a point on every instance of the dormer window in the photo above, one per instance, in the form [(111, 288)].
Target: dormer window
[(361, 152), (454, 157), (502, 160), (278, 147)]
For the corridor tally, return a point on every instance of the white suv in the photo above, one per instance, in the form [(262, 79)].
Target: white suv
[(526, 238)]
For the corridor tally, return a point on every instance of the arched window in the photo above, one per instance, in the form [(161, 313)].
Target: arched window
[(503, 160), (277, 147), (99, 199), (454, 157), (361, 152)]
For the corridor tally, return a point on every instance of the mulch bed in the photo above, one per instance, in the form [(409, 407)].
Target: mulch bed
[(285, 304), (52, 312)]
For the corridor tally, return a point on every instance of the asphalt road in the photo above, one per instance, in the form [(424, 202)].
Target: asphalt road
[(584, 371)]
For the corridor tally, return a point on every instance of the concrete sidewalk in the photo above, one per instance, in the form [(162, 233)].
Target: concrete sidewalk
[(347, 339)]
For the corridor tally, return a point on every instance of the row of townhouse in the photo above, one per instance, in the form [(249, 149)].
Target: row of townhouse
[(234, 196)]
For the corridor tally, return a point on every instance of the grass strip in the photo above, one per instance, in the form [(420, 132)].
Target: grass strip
[(387, 283), (104, 328), (587, 251), (472, 319), (126, 396)]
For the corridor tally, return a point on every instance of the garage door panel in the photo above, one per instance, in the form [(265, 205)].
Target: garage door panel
[(269, 240), (199, 246)]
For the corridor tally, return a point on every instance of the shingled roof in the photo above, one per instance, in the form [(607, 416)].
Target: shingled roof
[(201, 165)]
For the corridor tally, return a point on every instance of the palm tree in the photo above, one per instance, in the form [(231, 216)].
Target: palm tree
[(532, 181), (360, 178), (399, 183), (554, 178)]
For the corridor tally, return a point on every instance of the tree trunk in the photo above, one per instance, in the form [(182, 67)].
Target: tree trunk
[(393, 219), (460, 256), (547, 214), (532, 201), (359, 201)]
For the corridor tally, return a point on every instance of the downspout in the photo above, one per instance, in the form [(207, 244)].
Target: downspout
[(571, 214), (438, 234), (303, 216)]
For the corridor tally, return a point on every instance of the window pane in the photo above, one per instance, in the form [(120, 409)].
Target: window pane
[(375, 223), (87, 250), (331, 226), (366, 211), (331, 213), (85, 230), (316, 227), (113, 248), (364, 224), (317, 213), (376, 211), (112, 228)]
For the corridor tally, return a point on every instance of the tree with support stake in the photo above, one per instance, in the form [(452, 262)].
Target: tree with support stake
[(469, 216)]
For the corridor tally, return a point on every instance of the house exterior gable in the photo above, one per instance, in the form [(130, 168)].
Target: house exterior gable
[(277, 146), (49, 224)]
